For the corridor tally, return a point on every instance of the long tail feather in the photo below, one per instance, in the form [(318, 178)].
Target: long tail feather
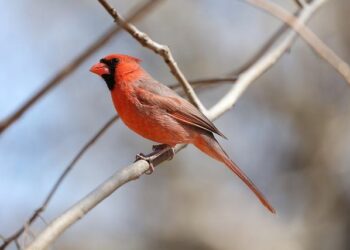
[(209, 145)]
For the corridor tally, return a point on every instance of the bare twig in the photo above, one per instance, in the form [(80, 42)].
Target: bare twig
[(18, 245), (43, 219), (134, 171), (315, 43), (75, 63), (209, 81), (198, 83), (160, 49), (301, 3)]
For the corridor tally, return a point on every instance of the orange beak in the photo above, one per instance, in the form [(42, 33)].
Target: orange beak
[(100, 69)]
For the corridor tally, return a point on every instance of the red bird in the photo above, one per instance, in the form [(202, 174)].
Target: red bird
[(158, 113)]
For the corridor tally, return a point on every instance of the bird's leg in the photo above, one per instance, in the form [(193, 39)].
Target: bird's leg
[(162, 148), (157, 151), (159, 147)]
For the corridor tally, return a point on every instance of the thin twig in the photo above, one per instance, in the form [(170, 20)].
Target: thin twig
[(18, 245), (43, 219), (134, 171), (75, 63), (301, 3), (205, 82), (158, 48), (315, 43)]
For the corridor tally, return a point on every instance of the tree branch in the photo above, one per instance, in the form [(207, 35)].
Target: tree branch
[(205, 82), (138, 14), (135, 170), (315, 43), (159, 49)]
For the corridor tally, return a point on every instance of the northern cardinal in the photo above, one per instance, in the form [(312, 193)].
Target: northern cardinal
[(158, 113)]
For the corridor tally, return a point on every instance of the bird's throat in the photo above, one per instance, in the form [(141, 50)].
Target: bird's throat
[(110, 81)]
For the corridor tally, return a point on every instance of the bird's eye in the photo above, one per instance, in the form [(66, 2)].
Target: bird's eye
[(114, 60)]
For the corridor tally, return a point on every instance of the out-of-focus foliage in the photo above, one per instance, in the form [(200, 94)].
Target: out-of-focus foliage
[(289, 131)]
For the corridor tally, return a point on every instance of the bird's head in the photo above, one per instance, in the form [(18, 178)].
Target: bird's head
[(115, 66)]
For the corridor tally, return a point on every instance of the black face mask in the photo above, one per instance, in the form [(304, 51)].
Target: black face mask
[(110, 78)]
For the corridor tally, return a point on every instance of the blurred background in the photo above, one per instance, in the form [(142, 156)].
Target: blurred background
[(288, 132)]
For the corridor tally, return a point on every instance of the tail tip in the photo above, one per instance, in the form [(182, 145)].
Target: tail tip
[(270, 208)]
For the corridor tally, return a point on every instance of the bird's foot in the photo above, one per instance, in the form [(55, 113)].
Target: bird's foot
[(160, 148), (147, 158), (157, 151)]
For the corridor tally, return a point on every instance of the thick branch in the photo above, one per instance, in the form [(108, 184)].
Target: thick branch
[(74, 64), (160, 49), (315, 43), (134, 171)]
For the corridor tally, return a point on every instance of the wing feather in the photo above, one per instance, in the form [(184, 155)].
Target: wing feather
[(157, 94)]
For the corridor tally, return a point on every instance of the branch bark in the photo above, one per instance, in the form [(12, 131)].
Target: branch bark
[(135, 170), (159, 49), (312, 40), (137, 15)]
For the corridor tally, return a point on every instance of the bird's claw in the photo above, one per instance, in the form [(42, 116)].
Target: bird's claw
[(141, 156), (159, 147), (157, 150)]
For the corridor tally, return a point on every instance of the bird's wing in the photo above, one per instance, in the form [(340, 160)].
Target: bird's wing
[(156, 94), (151, 85)]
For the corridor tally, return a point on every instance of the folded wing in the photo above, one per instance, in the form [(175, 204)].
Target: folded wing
[(156, 94)]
